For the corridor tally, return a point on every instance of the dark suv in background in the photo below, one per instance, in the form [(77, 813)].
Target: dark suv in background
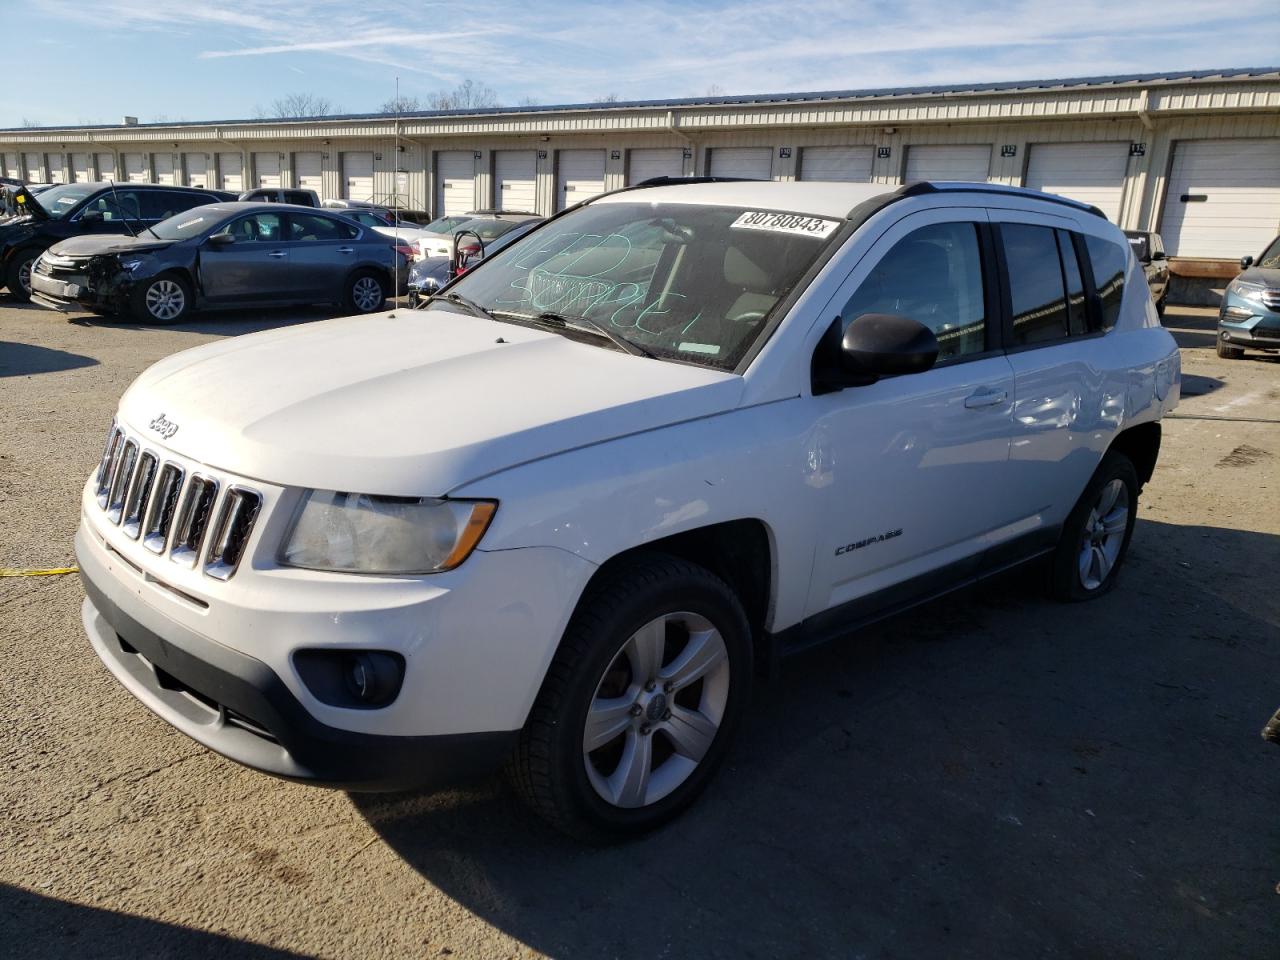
[(1148, 249), (75, 209)]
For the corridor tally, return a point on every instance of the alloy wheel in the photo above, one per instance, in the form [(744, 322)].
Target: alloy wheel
[(24, 274), (656, 710), (366, 294), (1104, 533), (165, 300)]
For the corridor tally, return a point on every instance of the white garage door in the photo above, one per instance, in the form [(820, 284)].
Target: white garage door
[(106, 166), (11, 165), (231, 172), (753, 163), (80, 171), (851, 164), (946, 161), (53, 162), (1088, 172), (357, 176), (1222, 199), (164, 167), (266, 166), (646, 164), (514, 181), (579, 176), (455, 183), (35, 167), (196, 166), (308, 171), (135, 167)]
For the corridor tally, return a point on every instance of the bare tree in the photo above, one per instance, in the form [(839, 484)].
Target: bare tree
[(607, 98), (401, 104), (295, 106), (715, 90), (28, 122), (528, 102), (468, 95)]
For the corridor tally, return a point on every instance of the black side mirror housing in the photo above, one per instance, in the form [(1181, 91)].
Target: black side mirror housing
[(221, 240), (1158, 255), (91, 216), (460, 260), (873, 345), (1246, 262)]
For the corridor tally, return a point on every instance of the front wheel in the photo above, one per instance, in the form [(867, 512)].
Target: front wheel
[(640, 703), (1228, 353), (164, 299), (1095, 537), (365, 292), (18, 274)]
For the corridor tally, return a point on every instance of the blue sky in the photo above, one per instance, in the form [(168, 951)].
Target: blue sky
[(96, 60)]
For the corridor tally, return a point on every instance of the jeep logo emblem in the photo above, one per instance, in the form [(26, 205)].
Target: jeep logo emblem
[(166, 428)]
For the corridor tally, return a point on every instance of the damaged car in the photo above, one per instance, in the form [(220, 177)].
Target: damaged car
[(224, 255)]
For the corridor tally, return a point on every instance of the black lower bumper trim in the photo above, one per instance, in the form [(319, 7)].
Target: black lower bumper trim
[(238, 706)]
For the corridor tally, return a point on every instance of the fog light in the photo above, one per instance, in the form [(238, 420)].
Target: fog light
[(372, 678), (354, 679)]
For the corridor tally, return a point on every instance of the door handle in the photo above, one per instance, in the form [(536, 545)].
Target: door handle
[(985, 398), (277, 254), (346, 249)]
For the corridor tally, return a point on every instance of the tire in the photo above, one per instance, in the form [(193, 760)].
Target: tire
[(651, 604), (1094, 542), (164, 299), (1160, 306), (18, 275), (360, 296), (1229, 353)]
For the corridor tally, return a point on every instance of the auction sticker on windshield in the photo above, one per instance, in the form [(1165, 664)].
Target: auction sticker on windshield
[(796, 224)]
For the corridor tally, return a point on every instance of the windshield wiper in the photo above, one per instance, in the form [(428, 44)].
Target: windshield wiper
[(462, 301), (629, 346)]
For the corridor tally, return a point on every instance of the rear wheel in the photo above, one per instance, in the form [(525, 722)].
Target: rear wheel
[(1095, 537), (18, 274), (365, 292), (639, 704), (163, 299), (1229, 353)]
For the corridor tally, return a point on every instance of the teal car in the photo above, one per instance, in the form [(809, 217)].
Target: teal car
[(1249, 318)]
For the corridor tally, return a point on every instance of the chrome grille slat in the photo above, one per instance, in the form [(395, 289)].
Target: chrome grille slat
[(120, 478), (139, 495), (164, 503), (231, 531), (189, 517), (193, 519), (107, 466)]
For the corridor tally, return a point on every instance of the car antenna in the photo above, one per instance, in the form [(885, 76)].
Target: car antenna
[(116, 199), (395, 199)]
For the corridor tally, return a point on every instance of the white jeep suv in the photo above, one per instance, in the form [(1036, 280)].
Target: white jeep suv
[(563, 516)]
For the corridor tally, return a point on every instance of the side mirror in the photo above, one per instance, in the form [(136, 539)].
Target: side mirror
[(874, 345), (1158, 255), (221, 240), (91, 216), (1246, 262)]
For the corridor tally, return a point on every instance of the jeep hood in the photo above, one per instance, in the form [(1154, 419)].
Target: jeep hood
[(410, 402), (92, 245)]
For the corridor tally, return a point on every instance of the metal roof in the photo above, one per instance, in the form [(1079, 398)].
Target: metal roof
[(1010, 86)]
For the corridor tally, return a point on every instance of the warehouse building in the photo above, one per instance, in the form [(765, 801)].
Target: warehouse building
[(1194, 155)]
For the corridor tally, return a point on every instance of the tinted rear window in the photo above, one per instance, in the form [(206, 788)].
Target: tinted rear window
[(1108, 261)]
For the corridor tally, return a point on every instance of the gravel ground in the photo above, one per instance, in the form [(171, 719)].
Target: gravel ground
[(991, 776)]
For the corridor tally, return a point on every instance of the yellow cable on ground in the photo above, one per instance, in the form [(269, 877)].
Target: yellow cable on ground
[(53, 572)]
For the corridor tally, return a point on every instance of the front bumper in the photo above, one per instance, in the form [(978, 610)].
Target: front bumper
[(237, 706), (61, 294), (1248, 323)]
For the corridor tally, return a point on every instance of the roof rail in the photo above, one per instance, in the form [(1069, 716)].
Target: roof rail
[(961, 186), (671, 181)]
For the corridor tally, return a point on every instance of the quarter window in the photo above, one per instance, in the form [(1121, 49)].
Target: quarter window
[(1108, 261), (1036, 291), (1077, 313), (933, 275)]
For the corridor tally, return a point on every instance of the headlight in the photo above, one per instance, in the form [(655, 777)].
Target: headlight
[(130, 265), (359, 533), (1250, 291)]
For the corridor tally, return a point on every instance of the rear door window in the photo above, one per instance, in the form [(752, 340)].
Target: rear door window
[(1036, 290), (163, 204), (1077, 309), (308, 227)]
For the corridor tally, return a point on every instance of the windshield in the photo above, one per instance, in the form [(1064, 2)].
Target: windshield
[(58, 201), (1140, 245), (444, 224), (689, 282), (1271, 256), (488, 229), (188, 224)]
